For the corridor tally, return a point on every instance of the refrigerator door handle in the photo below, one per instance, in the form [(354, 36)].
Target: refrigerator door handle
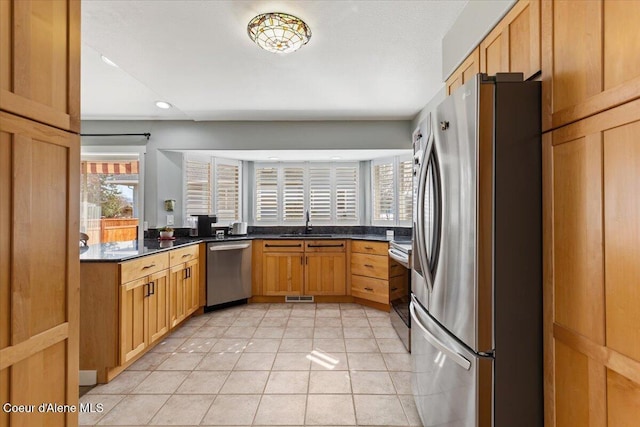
[(452, 354), (422, 244)]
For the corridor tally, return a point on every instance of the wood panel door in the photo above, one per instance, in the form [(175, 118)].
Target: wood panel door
[(325, 274), (514, 44), (134, 307), (40, 61), (39, 269), (590, 58), (158, 319), (469, 68), (192, 287), (177, 277), (283, 273), (592, 270)]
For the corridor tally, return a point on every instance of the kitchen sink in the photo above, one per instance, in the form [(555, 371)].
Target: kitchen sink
[(304, 235)]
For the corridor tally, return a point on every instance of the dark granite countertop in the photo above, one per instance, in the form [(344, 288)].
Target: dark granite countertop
[(123, 251)]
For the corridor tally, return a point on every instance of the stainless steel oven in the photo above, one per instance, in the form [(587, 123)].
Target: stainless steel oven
[(400, 293)]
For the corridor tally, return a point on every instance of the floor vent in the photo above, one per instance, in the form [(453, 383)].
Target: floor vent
[(297, 298)]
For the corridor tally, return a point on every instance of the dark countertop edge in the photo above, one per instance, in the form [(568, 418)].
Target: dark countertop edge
[(198, 240)]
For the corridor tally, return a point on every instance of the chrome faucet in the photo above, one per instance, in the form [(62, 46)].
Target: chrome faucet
[(307, 226)]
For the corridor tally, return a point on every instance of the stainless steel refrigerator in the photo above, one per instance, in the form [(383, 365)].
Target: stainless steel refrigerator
[(476, 301)]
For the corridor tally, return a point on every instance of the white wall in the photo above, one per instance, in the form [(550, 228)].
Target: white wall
[(163, 169), (475, 21)]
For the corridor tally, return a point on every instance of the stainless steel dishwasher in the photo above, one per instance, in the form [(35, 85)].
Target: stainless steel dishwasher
[(228, 272)]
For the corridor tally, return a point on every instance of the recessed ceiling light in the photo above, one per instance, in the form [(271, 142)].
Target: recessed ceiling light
[(274, 158), (162, 104), (108, 61), (336, 157)]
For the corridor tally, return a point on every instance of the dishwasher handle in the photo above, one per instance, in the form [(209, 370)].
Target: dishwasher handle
[(229, 247)]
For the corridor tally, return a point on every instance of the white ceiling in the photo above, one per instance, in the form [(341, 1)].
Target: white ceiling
[(366, 60)]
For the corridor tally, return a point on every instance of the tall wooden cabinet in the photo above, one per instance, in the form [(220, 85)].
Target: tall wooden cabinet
[(39, 208), (465, 71), (592, 270)]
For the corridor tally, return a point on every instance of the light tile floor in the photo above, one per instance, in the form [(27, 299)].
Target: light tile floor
[(267, 365)]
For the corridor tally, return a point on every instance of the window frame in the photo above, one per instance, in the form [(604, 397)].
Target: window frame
[(395, 162)]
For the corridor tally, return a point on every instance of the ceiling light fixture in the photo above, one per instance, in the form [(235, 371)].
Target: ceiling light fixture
[(108, 61), (336, 157), (162, 104), (274, 158), (279, 32)]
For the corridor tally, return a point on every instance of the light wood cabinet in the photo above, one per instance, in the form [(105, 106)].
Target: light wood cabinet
[(184, 284), (591, 211), (465, 71), (283, 273), (373, 273), (39, 265), (589, 58), (144, 313), (40, 61), (122, 319), (325, 267), (514, 44)]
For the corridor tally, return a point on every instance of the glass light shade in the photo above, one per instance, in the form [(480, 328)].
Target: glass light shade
[(279, 32)]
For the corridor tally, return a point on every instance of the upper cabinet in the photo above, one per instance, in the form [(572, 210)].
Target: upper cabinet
[(469, 68), (590, 58), (514, 44), (40, 61)]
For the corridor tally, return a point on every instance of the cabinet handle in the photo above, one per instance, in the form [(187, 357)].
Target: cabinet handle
[(394, 289), (189, 270), (268, 245), (368, 265), (301, 261), (148, 266), (152, 286), (341, 245), (186, 255), (369, 247), (368, 289)]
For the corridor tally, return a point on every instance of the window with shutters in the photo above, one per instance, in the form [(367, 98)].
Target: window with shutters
[(227, 185), (213, 186), (284, 192), (391, 191), (197, 192)]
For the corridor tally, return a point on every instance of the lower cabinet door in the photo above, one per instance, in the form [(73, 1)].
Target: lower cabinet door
[(283, 273), (133, 311), (158, 302), (177, 281), (192, 287), (325, 274)]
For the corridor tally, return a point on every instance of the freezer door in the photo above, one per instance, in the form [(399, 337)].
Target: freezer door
[(451, 386), (456, 302)]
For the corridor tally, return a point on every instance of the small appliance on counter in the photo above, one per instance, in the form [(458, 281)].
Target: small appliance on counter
[(202, 225), (238, 229)]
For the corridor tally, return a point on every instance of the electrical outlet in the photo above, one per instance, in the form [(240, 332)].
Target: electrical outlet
[(169, 219)]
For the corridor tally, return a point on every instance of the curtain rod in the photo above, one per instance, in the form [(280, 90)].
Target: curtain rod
[(146, 135)]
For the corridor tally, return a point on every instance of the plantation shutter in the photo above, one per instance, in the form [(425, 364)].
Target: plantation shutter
[(346, 193), (383, 191), (293, 205), (266, 194), (198, 188), (320, 193), (405, 191), (227, 190)]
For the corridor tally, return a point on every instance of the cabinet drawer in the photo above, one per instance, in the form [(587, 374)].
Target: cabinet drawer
[(370, 289), (376, 266), (283, 246), (144, 266), (396, 269), (178, 256), (366, 247), (325, 245)]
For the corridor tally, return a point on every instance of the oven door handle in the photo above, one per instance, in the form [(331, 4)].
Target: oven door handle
[(399, 257)]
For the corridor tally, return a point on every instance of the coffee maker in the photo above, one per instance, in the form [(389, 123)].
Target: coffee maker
[(203, 225)]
